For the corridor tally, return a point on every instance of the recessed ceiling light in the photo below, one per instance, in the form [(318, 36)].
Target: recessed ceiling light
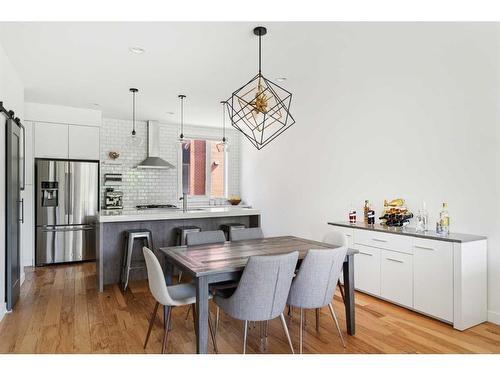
[(96, 104), (281, 79), (137, 50), (169, 113)]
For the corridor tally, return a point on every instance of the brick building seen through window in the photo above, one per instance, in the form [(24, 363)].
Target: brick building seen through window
[(199, 158)]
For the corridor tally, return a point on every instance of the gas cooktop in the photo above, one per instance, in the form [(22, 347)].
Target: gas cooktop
[(156, 206)]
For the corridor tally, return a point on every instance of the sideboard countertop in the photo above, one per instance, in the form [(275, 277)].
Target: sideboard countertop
[(410, 231)]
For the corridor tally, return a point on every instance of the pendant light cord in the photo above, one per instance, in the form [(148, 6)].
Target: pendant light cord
[(260, 53), (223, 122), (133, 113), (181, 97)]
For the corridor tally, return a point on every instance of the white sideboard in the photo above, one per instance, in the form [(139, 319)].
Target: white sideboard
[(444, 277)]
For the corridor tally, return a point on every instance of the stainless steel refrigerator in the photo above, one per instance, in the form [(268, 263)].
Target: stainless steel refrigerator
[(66, 200)]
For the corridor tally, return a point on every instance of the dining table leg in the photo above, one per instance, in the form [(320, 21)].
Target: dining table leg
[(348, 269), (201, 315)]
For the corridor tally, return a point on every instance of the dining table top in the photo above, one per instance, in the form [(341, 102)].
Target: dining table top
[(232, 256)]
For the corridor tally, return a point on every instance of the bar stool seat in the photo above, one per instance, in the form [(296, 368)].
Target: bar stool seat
[(131, 235), (227, 228)]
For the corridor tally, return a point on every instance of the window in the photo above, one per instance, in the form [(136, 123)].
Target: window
[(203, 168)]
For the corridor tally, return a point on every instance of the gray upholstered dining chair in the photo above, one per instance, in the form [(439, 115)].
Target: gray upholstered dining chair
[(169, 297), (338, 239), (262, 292), (205, 237), (315, 283), (246, 234)]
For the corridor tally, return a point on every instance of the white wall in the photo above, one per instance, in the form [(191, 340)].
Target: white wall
[(387, 111), (12, 95)]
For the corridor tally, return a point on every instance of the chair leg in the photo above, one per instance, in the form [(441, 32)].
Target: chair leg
[(212, 333), (336, 323), (180, 277), (194, 319), (341, 290), (217, 314), (301, 331), (267, 328), (285, 328), (165, 335), (317, 319), (187, 314), (245, 331), (153, 317)]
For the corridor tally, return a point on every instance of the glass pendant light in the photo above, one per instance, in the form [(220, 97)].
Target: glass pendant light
[(223, 145), (181, 139), (134, 139)]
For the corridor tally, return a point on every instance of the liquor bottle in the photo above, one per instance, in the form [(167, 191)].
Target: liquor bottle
[(425, 217), (352, 215), (365, 211), (444, 219)]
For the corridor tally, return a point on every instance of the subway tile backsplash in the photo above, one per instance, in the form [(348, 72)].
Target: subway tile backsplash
[(152, 186)]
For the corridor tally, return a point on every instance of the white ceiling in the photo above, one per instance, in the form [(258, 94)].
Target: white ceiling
[(79, 64)]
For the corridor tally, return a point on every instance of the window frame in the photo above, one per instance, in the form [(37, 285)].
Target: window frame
[(208, 172)]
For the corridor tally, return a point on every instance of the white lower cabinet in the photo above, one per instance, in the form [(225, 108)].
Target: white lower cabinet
[(433, 278), (396, 277), (367, 270)]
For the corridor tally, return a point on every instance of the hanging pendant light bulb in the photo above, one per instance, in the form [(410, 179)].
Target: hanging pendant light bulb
[(223, 145), (181, 139), (134, 140)]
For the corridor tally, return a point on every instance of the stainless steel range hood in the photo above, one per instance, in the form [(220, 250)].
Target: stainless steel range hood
[(153, 161)]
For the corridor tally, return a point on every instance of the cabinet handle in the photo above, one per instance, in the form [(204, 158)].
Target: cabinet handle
[(395, 260), (379, 240), (423, 247), (366, 254)]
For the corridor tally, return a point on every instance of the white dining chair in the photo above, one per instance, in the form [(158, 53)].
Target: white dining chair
[(169, 297)]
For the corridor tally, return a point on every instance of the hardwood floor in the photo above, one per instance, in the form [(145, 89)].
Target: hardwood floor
[(60, 311)]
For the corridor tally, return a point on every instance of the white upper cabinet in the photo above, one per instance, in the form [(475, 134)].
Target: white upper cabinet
[(62, 141), (51, 140), (83, 142)]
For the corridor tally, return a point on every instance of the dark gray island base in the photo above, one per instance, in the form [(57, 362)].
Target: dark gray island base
[(111, 241)]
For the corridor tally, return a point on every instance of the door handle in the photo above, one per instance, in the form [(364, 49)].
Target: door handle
[(424, 247), (379, 240), (66, 195), (366, 253), (21, 220), (70, 208), (395, 260)]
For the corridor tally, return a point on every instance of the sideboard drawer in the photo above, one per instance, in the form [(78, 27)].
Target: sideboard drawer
[(388, 241)]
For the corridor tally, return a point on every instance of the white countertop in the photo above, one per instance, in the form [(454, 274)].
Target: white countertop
[(113, 216)]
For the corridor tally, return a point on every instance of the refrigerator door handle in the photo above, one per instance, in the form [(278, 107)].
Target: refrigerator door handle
[(68, 229), (70, 193), (66, 194)]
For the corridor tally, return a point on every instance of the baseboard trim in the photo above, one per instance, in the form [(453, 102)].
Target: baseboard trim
[(3, 310), (494, 317)]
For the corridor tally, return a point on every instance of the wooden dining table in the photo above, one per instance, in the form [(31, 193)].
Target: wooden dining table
[(209, 264)]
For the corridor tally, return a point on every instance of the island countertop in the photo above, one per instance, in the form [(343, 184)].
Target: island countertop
[(115, 216), (409, 231)]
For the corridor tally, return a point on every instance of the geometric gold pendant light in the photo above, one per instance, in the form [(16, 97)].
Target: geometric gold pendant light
[(260, 109)]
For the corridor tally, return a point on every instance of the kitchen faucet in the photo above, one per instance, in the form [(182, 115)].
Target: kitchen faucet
[(184, 202)]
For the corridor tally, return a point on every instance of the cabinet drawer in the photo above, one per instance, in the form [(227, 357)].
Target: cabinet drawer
[(367, 270), (380, 240), (433, 278), (396, 282)]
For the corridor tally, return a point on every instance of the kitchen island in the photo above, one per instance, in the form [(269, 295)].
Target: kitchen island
[(112, 224)]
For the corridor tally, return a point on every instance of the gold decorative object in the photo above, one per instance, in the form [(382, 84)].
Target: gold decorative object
[(114, 155)]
